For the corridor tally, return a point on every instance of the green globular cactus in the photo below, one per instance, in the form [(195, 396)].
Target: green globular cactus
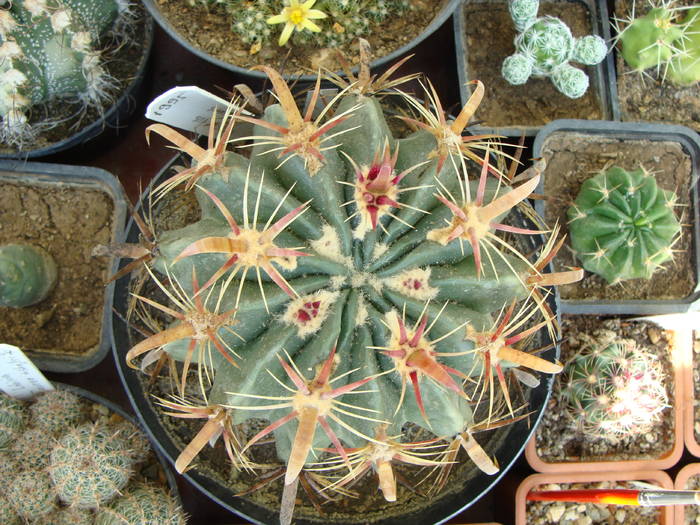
[(50, 50), (56, 411), (11, 419), (666, 39), (27, 274), (142, 504), (544, 47), (31, 495), (8, 516), (613, 388), (90, 465), (622, 225), (67, 516), (32, 449), (353, 257)]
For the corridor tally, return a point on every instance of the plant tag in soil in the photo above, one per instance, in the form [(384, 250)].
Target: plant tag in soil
[(19, 377), (191, 108)]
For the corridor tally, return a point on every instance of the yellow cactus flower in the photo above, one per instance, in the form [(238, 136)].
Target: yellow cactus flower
[(297, 16)]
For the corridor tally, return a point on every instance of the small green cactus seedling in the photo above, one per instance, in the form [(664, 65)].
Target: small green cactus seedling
[(613, 388), (11, 419), (31, 494), (666, 39), (544, 47), (623, 225), (50, 51), (90, 465), (27, 275), (142, 505), (56, 411)]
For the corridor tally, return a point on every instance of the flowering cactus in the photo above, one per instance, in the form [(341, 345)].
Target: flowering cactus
[(623, 225), (335, 283), (27, 275), (544, 47)]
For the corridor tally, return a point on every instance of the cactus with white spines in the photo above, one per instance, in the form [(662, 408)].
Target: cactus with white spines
[(142, 504), (55, 411)]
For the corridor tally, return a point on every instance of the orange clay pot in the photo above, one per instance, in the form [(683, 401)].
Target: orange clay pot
[(655, 477), (681, 353), (691, 442), (682, 478)]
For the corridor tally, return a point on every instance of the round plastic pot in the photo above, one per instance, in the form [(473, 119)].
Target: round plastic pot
[(510, 440), (656, 477), (64, 178), (152, 5)]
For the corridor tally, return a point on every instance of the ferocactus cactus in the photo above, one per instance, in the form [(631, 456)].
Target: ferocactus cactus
[(544, 47), (50, 50), (90, 465), (622, 225), (613, 388), (31, 495), (11, 419), (323, 288), (27, 274), (142, 504), (666, 39), (55, 411)]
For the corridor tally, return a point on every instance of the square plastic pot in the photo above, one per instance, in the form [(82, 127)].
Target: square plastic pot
[(680, 483)]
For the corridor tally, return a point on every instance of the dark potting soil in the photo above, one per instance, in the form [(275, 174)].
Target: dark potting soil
[(571, 159), (489, 40)]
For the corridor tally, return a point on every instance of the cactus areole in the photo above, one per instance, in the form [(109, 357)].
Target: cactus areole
[(360, 294)]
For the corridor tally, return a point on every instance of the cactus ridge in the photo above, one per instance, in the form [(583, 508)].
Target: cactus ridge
[(622, 225), (142, 504), (56, 410), (31, 495), (11, 419)]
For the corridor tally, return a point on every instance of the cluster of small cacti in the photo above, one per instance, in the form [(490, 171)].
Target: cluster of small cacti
[(612, 387), (337, 255), (63, 469), (51, 51), (622, 225), (665, 39), (27, 274), (545, 47)]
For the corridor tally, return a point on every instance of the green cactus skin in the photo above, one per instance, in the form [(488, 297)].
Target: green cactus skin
[(27, 275), (57, 58), (138, 443), (56, 411), (142, 505), (544, 47), (11, 419), (623, 225), (8, 516), (31, 494), (684, 67), (32, 449), (90, 465), (613, 388), (67, 516), (8, 466)]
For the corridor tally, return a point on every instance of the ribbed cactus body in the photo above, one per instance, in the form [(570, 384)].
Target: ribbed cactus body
[(56, 411), (32, 449), (8, 516), (11, 419), (31, 494), (27, 275), (67, 516), (142, 505), (623, 225)]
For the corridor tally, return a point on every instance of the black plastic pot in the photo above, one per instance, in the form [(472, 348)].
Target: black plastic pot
[(690, 142), (602, 76), (113, 117), (506, 443), (63, 178), (442, 16)]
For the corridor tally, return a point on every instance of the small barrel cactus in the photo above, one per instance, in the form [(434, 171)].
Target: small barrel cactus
[(32, 449), (90, 465), (613, 388), (55, 411), (544, 47), (142, 505), (67, 516), (31, 494), (11, 419), (57, 58), (666, 39), (622, 225), (27, 274)]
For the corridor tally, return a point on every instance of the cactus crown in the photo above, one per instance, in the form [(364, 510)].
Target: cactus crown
[(623, 225), (613, 388), (354, 267), (666, 39), (544, 46), (27, 275)]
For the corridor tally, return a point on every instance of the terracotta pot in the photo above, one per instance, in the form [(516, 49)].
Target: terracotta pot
[(680, 483), (679, 357), (655, 477), (691, 443)]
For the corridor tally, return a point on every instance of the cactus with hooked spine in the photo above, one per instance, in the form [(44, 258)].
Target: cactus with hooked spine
[(337, 255), (142, 504), (613, 388), (50, 50), (27, 275), (665, 39), (622, 225), (545, 47)]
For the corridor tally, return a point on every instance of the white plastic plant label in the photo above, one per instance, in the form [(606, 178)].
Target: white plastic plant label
[(187, 107), (19, 377)]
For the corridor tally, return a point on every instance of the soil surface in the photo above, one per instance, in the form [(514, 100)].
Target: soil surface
[(557, 437), (646, 97), (489, 40), (210, 31), (555, 512), (67, 222), (571, 159)]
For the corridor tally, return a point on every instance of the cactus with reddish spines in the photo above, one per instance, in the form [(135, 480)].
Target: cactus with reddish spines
[(339, 254), (55, 411), (11, 419), (142, 504), (31, 494)]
